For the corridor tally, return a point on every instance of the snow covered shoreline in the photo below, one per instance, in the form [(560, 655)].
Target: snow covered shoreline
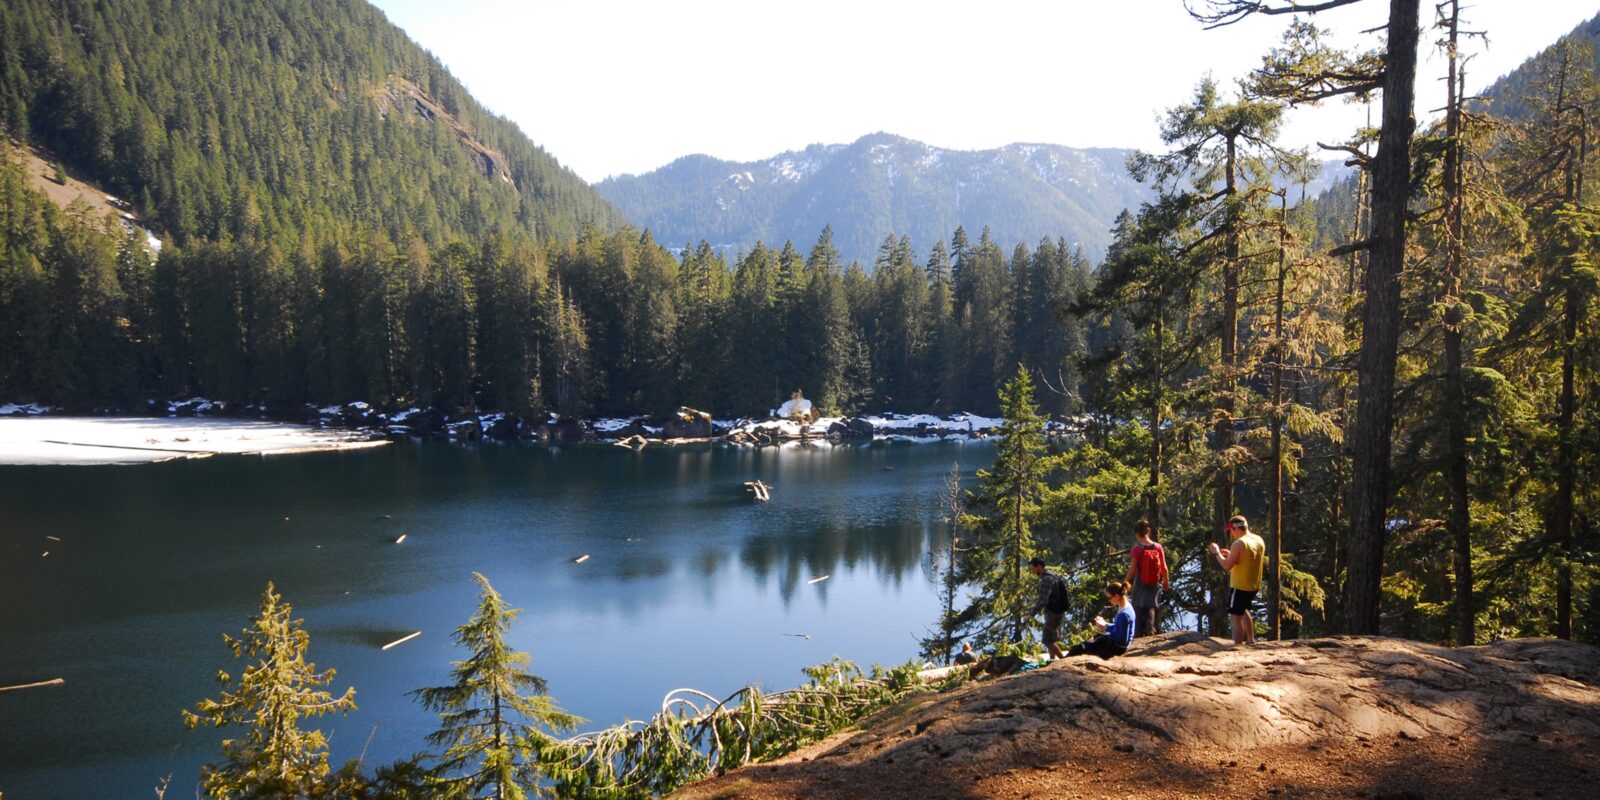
[(193, 428), (42, 440)]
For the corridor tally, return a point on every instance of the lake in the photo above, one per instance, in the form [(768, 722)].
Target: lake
[(689, 583)]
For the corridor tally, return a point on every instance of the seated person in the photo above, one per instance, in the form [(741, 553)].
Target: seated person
[(966, 656), (1118, 631)]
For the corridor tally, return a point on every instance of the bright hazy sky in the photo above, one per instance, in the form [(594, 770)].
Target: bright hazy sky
[(625, 86)]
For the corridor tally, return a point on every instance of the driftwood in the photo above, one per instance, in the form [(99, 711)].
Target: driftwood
[(402, 640), (581, 559), (763, 492), (401, 539), (54, 682), (818, 580)]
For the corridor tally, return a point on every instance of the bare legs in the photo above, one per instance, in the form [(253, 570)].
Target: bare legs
[(1244, 628)]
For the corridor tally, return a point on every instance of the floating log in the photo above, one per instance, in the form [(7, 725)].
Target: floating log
[(818, 580), (402, 640), (581, 559), (53, 538), (132, 447), (401, 539), (55, 682), (799, 635), (45, 553), (762, 491)]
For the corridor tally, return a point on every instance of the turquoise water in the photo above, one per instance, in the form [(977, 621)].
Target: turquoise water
[(689, 584)]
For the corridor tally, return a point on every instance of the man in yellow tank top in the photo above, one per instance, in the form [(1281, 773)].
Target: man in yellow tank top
[(1244, 562)]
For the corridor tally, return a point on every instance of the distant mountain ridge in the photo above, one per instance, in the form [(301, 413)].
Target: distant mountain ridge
[(882, 184)]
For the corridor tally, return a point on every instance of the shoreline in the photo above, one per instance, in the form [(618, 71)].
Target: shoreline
[(347, 425)]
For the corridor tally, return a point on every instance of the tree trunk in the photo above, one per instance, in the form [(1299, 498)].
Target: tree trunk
[(1565, 467), (1458, 520), (1017, 557), (1152, 498), (1380, 318), (1275, 616), (1222, 433)]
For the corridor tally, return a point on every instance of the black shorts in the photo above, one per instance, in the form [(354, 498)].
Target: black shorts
[(1239, 601)]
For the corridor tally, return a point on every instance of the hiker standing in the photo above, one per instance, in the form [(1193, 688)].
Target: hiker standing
[(1118, 630), (1052, 601), (1148, 577), (1244, 561)]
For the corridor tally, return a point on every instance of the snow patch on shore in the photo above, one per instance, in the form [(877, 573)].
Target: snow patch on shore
[(141, 440)]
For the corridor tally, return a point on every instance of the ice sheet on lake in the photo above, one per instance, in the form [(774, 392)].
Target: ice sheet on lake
[(135, 440)]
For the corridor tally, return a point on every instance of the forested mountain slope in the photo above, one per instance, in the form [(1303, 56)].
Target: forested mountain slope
[(883, 184), (1507, 97), (226, 119)]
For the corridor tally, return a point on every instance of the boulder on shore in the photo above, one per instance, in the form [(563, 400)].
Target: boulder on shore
[(688, 424), (568, 429)]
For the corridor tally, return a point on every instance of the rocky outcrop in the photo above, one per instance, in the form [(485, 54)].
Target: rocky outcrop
[(1336, 714)]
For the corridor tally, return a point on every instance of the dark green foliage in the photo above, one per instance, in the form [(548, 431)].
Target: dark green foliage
[(696, 736), (601, 323), (496, 716), (276, 119), (999, 518)]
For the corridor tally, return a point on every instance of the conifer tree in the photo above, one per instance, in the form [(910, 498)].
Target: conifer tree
[(1000, 515), (276, 689), (1307, 71), (1558, 315), (494, 717)]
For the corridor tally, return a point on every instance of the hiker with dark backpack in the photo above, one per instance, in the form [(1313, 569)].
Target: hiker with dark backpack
[(1053, 602), (1148, 577)]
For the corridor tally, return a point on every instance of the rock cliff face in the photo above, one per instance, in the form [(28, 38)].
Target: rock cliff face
[(1187, 715)]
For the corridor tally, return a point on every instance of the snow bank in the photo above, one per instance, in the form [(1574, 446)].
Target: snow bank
[(613, 424), (913, 427), (137, 440)]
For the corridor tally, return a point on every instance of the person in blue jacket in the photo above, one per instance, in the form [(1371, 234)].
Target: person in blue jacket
[(1118, 630)]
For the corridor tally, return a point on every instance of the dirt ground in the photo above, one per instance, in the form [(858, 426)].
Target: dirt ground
[(1365, 718), (1079, 766), (40, 169)]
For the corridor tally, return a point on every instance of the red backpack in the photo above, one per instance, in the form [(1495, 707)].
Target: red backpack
[(1151, 561)]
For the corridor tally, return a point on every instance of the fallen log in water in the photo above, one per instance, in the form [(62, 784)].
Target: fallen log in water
[(402, 640), (54, 682), (762, 491)]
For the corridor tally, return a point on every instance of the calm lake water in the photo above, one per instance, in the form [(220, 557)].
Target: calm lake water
[(689, 584)]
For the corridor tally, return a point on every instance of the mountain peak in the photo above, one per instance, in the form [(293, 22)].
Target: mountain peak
[(883, 184)]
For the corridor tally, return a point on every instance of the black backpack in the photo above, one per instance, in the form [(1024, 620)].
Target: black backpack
[(1056, 603)]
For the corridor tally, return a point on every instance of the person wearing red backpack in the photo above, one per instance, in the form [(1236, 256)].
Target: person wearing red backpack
[(1147, 574)]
